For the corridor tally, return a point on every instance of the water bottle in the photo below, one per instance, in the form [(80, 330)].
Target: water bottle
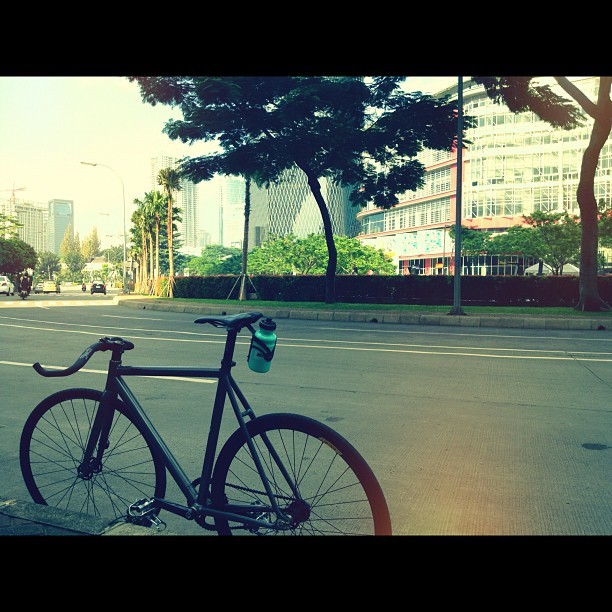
[(262, 346)]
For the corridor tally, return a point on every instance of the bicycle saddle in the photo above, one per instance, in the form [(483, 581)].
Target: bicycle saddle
[(237, 321)]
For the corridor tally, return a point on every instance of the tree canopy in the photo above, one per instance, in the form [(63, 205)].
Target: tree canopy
[(293, 255), (359, 132), (16, 256)]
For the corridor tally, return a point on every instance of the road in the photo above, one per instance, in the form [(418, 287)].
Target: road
[(470, 431)]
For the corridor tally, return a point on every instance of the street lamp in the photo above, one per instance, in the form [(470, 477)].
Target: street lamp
[(123, 193)]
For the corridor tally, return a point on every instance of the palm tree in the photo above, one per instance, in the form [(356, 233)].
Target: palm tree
[(170, 180), (157, 206), (139, 221)]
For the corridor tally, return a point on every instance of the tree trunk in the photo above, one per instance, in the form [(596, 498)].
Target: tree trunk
[(245, 239), (170, 252), (332, 261), (590, 300)]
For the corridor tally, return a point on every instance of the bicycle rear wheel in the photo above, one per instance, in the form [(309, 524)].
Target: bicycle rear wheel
[(338, 492), (51, 451)]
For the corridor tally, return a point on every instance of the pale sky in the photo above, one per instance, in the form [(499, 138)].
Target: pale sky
[(48, 125)]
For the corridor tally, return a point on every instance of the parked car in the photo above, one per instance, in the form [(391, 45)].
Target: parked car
[(51, 286), (7, 286), (98, 286), (38, 287)]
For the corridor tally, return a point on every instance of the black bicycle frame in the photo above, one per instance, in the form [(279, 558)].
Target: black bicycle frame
[(198, 501)]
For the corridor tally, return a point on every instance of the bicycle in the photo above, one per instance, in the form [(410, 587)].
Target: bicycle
[(97, 452)]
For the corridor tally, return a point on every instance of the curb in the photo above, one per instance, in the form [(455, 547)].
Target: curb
[(423, 318), (18, 518)]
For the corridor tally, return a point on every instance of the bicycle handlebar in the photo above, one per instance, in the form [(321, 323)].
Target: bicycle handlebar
[(229, 322), (104, 344)]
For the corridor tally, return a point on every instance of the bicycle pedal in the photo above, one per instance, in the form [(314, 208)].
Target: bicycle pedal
[(142, 512), (140, 508)]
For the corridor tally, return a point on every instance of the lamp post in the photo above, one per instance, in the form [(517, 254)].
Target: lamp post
[(123, 194)]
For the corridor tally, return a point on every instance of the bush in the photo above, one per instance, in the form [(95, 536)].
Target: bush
[(545, 290)]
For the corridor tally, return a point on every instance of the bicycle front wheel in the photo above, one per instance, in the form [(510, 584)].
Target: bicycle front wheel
[(337, 492), (51, 453)]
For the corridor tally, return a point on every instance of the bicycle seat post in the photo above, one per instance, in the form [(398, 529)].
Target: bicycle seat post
[(227, 361)]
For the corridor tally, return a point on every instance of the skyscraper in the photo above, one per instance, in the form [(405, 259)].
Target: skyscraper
[(61, 216), (288, 207)]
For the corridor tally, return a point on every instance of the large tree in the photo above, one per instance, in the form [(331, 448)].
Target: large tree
[(522, 94), (359, 132), (16, 256), (48, 264)]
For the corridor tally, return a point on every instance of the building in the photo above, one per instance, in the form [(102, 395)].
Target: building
[(232, 191), (289, 207), (33, 218), (516, 164), (60, 218)]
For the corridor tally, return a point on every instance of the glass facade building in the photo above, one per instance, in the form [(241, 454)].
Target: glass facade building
[(288, 207), (515, 165), (61, 217)]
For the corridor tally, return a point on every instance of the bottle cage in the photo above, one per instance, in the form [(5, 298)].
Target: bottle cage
[(267, 353)]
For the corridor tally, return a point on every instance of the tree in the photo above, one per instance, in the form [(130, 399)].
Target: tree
[(520, 95), (517, 240), (170, 180), (8, 226), (140, 223), (16, 256), (216, 259), (242, 293), (71, 255), (292, 255), (48, 264), (157, 206), (114, 256), (90, 246), (359, 132), (558, 238)]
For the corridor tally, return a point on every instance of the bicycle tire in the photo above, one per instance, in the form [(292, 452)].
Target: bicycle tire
[(342, 493), (52, 445)]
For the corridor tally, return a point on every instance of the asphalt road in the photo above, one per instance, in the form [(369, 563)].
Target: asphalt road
[(470, 431)]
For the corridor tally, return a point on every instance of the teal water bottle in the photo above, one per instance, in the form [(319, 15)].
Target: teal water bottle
[(262, 346)]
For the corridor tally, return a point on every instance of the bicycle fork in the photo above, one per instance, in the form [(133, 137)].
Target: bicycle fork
[(141, 512), (98, 440)]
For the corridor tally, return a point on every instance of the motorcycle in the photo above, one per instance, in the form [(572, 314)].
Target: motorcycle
[(23, 293), (83, 287)]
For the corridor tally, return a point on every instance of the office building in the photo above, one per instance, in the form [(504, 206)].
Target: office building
[(514, 165), (34, 220), (232, 191), (60, 218), (289, 207)]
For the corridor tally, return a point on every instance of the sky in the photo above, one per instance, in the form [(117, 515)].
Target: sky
[(49, 124)]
